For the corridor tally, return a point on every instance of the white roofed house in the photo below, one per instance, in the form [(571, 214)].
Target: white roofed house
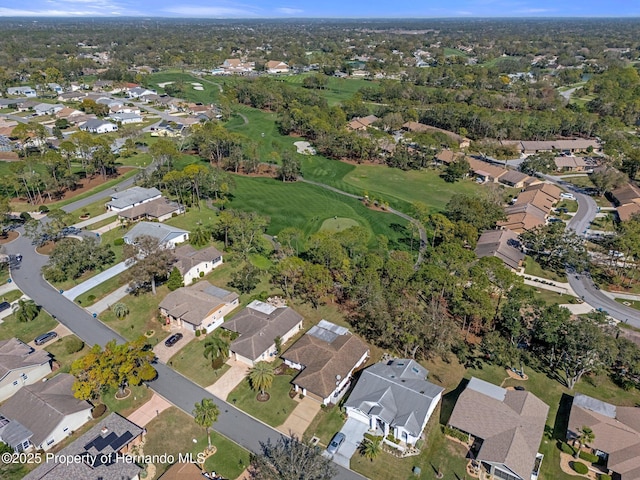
[(132, 197), (202, 305), (20, 365), (194, 264), (166, 235), (95, 125), (395, 398), (24, 91), (47, 109), (137, 92), (275, 66), (125, 118)]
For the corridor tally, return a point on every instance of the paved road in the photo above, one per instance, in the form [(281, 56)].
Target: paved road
[(182, 392), (582, 284)]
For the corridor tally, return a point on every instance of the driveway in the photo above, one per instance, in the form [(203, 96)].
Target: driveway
[(61, 330), (354, 432), (230, 380), (149, 410), (164, 353), (301, 417)]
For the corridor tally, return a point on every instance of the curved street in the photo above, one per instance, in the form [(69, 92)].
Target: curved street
[(582, 284)]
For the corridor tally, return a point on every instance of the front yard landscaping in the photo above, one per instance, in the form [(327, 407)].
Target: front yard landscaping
[(191, 363), (60, 351), (326, 423), (125, 407), (26, 331)]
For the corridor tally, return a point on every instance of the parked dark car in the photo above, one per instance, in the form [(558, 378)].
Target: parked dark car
[(4, 306), (173, 339), (45, 337)]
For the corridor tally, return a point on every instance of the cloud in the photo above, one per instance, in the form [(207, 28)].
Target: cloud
[(16, 12), (212, 11), (289, 11)]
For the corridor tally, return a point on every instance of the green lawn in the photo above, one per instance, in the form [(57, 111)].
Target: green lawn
[(11, 296), (173, 431), (337, 89), (553, 298), (94, 209), (326, 423), (191, 362), (398, 187), (142, 317), (26, 331), (208, 95), (194, 218), (125, 407), (273, 412), (531, 267), (59, 351), (306, 207), (629, 303), (96, 293)]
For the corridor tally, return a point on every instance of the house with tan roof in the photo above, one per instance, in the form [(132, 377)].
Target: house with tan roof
[(627, 199), (570, 164), (569, 145), (258, 325), (547, 188), (446, 156), (503, 244), (198, 306), (516, 179), (42, 414), (20, 365), (506, 427), (194, 264), (158, 209), (326, 356), (394, 397), (362, 123), (275, 66), (486, 172), (521, 222), (236, 65), (616, 433)]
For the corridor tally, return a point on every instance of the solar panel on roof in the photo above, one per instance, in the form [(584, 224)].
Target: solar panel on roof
[(100, 442), (122, 440)]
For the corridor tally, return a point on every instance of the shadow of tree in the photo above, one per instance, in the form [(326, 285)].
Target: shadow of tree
[(449, 401)]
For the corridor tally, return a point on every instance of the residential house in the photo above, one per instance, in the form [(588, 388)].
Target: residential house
[(198, 306), (125, 118), (521, 222), (570, 146), (73, 96), (166, 129), (26, 105), (20, 365), (486, 172), (628, 211), (43, 414), (68, 113), (236, 65), (616, 433), (5, 144), (258, 326), (55, 87), (159, 209), (24, 91), (167, 236), (446, 156), (627, 199), (516, 179), (98, 126), (548, 189), (274, 66), (182, 471), (194, 264), (137, 92), (570, 164), (422, 128), (113, 438), (507, 427), (503, 244), (47, 109), (132, 197), (327, 356), (394, 397), (102, 85), (362, 123)]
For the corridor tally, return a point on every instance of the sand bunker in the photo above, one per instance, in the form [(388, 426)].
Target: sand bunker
[(305, 148)]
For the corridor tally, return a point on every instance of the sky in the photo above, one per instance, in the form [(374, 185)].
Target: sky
[(321, 8)]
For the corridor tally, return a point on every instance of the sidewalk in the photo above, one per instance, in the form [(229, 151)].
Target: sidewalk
[(230, 380), (95, 281), (91, 221), (8, 287), (107, 228), (106, 302)]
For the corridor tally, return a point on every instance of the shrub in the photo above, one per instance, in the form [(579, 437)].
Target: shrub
[(91, 298), (118, 242), (201, 274), (43, 209), (604, 476), (580, 468), (74, 345), (566, 448), (25, 216), (198, 333), (452, 432), (98, 410), (589, 457)]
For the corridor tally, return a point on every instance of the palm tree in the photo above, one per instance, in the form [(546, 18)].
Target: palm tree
[(26, 310), (261, 376), (371, 448), (585, 438), (120, 310), (199, 236), (215, 347), (205, 414)]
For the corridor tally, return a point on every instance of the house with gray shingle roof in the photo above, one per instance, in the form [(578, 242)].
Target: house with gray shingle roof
[(20, 365), (191, 262), (132, 197), (506, 424), (159, 209), (96, 125), (258, 325), (167, 236), (111, 439), (395, 398), (45, 412)]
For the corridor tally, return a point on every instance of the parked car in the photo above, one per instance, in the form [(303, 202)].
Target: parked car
[(336, 442), (45, 337), (4, 306), (173, 339)]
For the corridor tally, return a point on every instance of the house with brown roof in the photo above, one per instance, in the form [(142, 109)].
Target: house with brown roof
[(362, 123), (258, 326), (503, 244), (275, 66), (506, 426), (158, 209), (616, 433), (113, 438), (516, 179), (521, 222), (194, 264), (198, 306), (570, 145), (628, 211), (486, 172), (20, 365), (326, 356), (627, 199), (537, 198), (183, 471), (547, 188), (570, 164), (42, 414), (446, 156)]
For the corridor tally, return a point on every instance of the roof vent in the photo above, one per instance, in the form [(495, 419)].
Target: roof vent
[(104, 431)]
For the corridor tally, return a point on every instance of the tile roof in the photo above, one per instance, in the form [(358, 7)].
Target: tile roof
[(548, 188), (503, 244), (509, 422), (188, 257), (258, 329), (485, 169), (15, 354), (42, 406), (327, 358), (519, 222), (194, 303)]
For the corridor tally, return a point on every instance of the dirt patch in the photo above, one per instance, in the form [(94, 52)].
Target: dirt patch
[(46, 249), (263, 397), (11, 236), (515, 376)]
